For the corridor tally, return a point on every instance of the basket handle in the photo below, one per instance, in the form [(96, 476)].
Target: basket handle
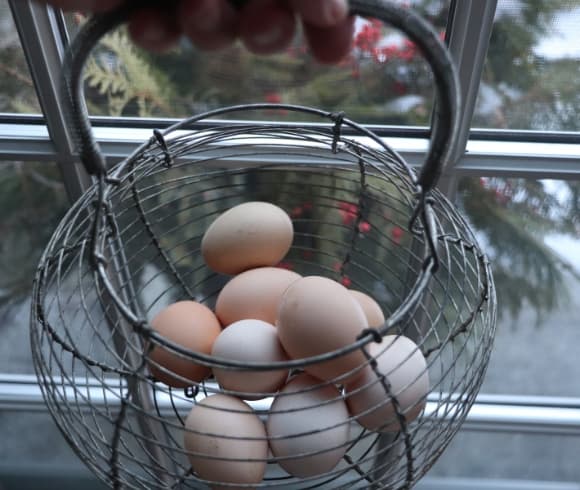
[(447, 106)]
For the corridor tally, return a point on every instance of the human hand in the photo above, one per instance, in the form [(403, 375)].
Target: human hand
[(264, 26)]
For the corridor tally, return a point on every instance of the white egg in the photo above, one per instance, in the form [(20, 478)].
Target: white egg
[(301, 408), (405, 370), (251, 341), (226, 442)]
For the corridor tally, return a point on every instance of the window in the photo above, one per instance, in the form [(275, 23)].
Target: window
[(17, 94), (530, 79), (518, 183), (530, 228), (384, 81), (35, 455), (33, 199)]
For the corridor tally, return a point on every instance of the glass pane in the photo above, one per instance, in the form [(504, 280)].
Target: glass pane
[(531, 231), (17, 93), (514, 457), (32, 199), (385, 79), (531, 78), (35, 455)]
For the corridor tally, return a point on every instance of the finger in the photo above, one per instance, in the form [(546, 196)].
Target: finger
[(330, 44), (84, 5), (154, 29), (321, 13), (210, 24), (266, 26)]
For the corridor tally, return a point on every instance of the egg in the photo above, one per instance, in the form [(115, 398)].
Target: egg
[(371, 308), (190, 325), (318, 315), (220, 430), (254, 294), (251, 341), (405, 370), (252, 234), (301, 408)]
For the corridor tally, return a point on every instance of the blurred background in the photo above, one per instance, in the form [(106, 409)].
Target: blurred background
[(530, 227)]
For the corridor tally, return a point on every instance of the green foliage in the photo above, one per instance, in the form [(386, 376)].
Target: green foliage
[(32, 200), (514, 224), (546, 89), (17, 92), (119, 73), (125, 81)]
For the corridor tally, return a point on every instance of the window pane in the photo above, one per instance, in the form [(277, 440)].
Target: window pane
[(531, 231), (32, 199), (385, 79), (531, 77), (35, 455), (513, 457), (17, 93)]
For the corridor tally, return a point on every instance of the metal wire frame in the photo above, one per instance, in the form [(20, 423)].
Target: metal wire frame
[(452, 320), (90, 318)]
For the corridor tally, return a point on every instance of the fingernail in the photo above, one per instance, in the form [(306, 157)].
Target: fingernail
[(268, 37), (200, 16), (153, 32), (334, 11), (204, 18)]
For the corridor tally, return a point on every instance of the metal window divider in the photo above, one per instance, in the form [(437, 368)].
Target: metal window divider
[(44, 48), (468, 46)]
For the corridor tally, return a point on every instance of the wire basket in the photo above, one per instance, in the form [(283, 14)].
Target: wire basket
[(131, 245)]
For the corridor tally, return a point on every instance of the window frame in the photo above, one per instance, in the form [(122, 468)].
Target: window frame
[(523, 154)]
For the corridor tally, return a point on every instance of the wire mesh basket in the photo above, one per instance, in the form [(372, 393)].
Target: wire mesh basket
[(131, 247)]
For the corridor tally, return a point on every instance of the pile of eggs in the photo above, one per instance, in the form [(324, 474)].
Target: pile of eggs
[(267, 314)]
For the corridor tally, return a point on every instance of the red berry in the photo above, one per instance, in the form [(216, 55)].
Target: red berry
[(345, 281), (397, 233), (364, 227), (400, 88), (347, 217), (286, 265), (296, 212), (273, 98)]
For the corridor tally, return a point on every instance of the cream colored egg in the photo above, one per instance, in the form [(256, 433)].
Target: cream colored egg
[(192, 326), (301, 408), (226, 442), (317, 316), (371, 308), (250, 341), (252, 234), (254, 294), (405, 370)]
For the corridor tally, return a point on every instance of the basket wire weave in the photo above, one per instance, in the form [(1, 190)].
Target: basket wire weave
[(131, 244)]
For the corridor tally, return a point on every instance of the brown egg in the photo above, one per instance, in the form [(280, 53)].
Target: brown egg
[(191, 325), (226, 442), (370, 307), (318, 315), (253, 234), (254, 294)]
